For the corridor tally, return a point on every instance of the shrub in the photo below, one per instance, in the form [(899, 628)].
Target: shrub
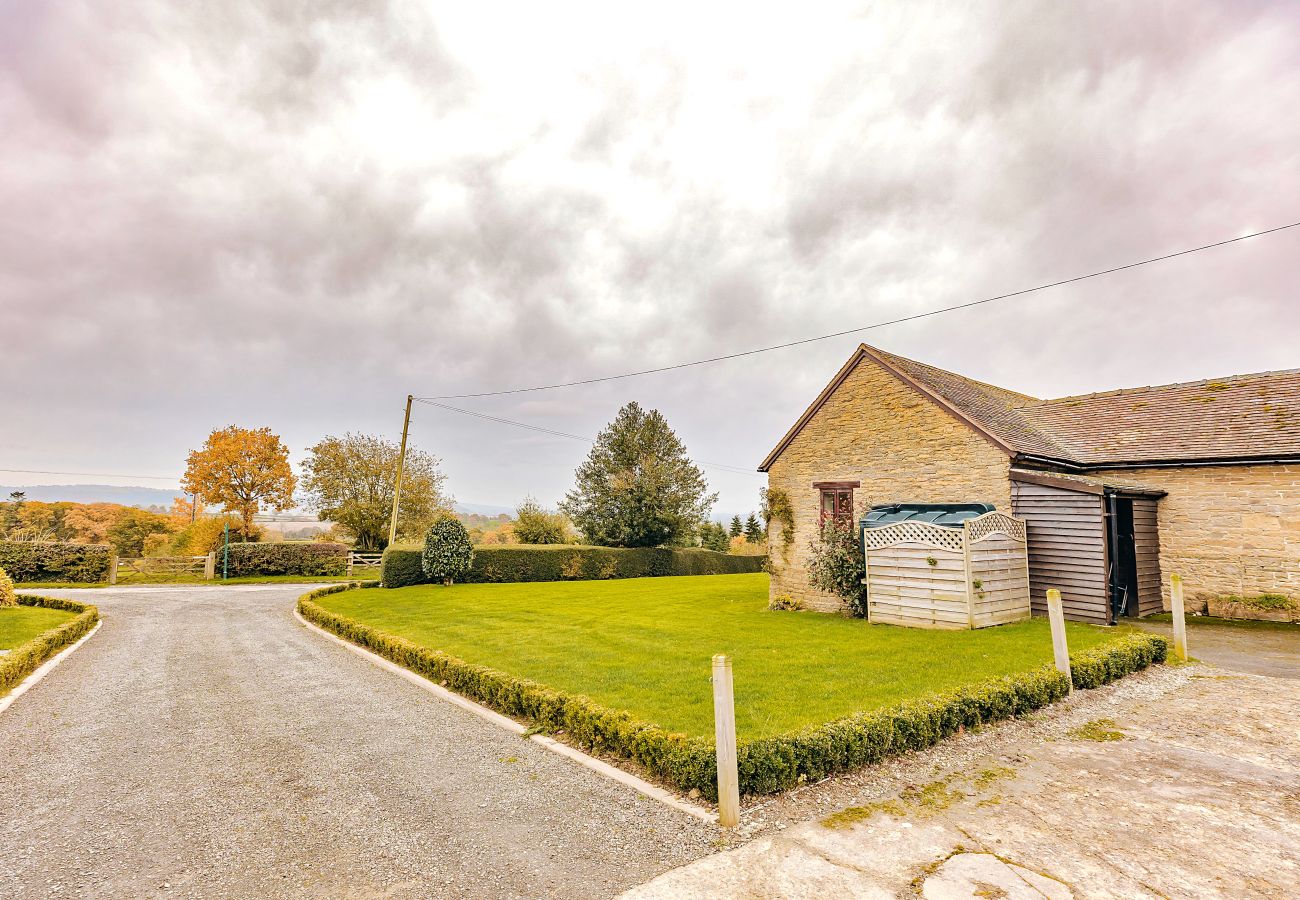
[(768, 765), (7, 595), (311, 559), (520, 562), (742, 546), (401, 567), (1116, 658), (448, 554), (24, 659), (1261, 601), (29, 561), (784, 602), (535, 525), (838, 565)]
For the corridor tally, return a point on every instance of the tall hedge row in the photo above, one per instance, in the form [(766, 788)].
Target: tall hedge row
[(307, 559), (768, 765), (561, 562), (29, 561), (24, 659)]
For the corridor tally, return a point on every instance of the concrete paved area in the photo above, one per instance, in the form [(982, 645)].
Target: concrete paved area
[(1180, 783), (1260, 648), (204, 744)]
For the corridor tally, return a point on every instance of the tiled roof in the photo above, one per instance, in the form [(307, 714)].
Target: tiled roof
[(1252, 416), (1219, 418), (997, 409), (1243, 416)]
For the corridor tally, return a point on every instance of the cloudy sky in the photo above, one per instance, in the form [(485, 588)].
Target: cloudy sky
[(294, 214)]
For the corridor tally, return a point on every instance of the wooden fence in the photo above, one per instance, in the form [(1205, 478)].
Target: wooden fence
[(153, 566), (128, 568), (357, 560)]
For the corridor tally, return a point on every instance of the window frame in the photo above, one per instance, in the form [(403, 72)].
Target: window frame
[(842, 500)]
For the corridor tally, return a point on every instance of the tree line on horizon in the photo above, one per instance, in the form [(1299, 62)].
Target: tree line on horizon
[(637, 488)]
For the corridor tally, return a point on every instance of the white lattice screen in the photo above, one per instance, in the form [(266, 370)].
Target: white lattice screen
[(914, 533), (993, 523)]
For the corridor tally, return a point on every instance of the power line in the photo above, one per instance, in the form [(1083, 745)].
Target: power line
[(848, 331), (91, 474), (563, 434)]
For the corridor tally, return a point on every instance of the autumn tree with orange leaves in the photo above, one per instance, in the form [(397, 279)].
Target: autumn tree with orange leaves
[(243, 469)]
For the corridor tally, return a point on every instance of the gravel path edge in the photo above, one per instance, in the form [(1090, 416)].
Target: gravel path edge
[(46, 668), (601, 767)]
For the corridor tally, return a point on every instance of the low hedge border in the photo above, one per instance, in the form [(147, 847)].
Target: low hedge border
[(563, 562), (768, 765), (26, 658)]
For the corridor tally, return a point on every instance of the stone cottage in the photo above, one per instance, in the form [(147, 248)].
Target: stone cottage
[(1201, 479)]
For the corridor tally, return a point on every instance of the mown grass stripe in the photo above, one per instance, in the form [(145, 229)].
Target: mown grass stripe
[(769, 764)]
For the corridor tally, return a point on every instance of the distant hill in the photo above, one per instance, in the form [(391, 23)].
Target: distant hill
[(485, 509), (95, 493)]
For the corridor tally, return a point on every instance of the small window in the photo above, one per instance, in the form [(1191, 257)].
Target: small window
[(837, 500)]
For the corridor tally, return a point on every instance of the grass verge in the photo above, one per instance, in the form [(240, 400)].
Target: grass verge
[(829, 694), (19, 624), (26, 657)]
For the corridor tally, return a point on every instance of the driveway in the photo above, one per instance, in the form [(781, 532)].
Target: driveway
[(204, 743), (1258, 648), (1179, 782)]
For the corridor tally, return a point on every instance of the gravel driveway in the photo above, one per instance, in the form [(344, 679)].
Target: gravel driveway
[(204, 743)]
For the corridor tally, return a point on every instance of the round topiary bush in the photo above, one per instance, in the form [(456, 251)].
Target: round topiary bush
[(448, 553), (8, 597)]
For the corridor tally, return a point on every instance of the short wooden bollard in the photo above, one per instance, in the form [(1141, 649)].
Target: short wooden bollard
[(1180, 621), (1056, 616), (210, 566), (724, 730)]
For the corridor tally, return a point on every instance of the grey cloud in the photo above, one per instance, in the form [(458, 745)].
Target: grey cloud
[(207, 214)]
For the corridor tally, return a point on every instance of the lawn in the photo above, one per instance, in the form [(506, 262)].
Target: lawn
[(645, 644), (19, 624)]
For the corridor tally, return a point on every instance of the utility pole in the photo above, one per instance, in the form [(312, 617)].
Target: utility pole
[(401, 462)]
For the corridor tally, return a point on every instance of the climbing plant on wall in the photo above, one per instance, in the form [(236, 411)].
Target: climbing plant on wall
[(777, 508)]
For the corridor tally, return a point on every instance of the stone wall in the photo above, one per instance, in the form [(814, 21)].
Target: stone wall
[(902, 447), (1228, 530)]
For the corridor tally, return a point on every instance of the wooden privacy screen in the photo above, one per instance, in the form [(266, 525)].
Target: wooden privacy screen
[(931, 576)]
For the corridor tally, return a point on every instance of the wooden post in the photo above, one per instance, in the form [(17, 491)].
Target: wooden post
[(401, 464), (350, 564), (724, 729), (1180, 621), (966, 574), (112, 569), (1056, 615), (210, 566)]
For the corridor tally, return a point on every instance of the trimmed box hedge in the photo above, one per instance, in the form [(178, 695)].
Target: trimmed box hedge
[(768, 765), (307, 559), (24, 659), (33, 561), (563, 562)]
